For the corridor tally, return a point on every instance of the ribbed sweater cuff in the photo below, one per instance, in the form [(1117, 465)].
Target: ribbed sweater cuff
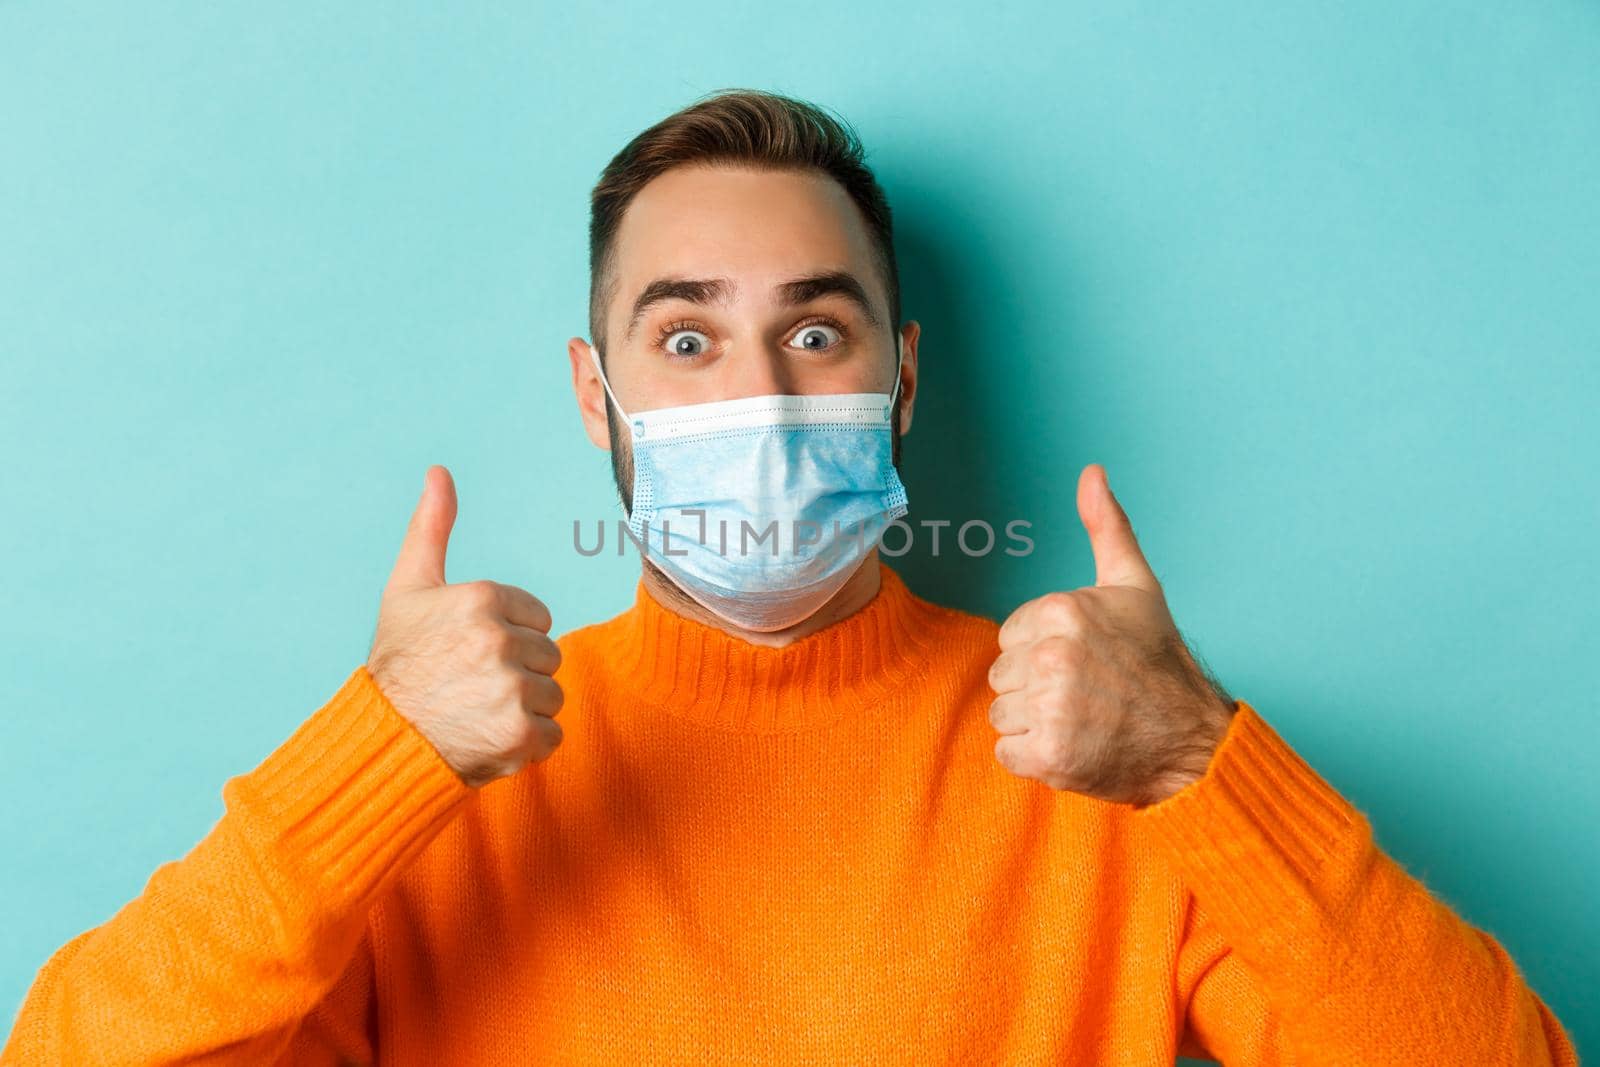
[(1273, 853), (353, 793)]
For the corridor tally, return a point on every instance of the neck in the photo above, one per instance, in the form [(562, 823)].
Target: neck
[(851, 671), (854, 595)]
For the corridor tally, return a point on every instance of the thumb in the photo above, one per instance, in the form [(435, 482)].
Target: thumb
[(1117, 557), (421, 561)]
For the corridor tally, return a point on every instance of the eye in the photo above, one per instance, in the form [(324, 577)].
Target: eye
[(818, 336), (685, 343)]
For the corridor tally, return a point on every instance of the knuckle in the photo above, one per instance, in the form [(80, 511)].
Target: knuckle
[(480, 594), (507, 731), (1051, 655), (1055, 750), (546, 656), (539, 695), (527, 736), (492, 642), (525, 690), (1062, 611), (512, 688), (1059, 781), (530, 693)]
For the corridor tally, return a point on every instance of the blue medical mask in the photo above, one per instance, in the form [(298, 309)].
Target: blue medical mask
[(760, 508)]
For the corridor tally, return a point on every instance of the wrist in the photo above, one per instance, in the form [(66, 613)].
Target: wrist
[(1192, 757)]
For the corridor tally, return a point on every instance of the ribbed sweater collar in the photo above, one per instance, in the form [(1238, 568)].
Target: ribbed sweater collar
[(697, 671)]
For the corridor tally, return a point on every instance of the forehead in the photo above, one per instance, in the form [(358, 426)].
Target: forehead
[(757, 227)]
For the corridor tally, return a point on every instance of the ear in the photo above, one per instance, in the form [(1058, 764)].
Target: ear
[(591, 393), (908, 373)]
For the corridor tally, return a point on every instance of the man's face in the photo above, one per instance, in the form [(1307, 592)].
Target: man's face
[(731, 283)]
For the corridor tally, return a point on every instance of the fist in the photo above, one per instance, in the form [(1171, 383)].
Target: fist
[(470, 665), (1096, 691)]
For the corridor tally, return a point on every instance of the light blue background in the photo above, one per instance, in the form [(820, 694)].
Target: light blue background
[(1316, 282)]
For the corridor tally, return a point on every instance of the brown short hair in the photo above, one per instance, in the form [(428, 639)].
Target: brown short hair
[(750, 127)]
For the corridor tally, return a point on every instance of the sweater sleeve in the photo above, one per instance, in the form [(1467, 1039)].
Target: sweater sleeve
[(341, 1029), (230, 949), (1317, 946)]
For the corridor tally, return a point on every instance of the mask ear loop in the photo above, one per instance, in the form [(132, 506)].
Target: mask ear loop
[(899, 357), (594, 357)]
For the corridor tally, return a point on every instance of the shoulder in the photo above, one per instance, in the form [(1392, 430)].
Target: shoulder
[(593, 640), (957, 626)]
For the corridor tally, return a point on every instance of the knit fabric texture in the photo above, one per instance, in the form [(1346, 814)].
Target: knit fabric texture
[(797, 855)]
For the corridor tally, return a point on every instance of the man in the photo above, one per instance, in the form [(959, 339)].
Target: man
[(804, 815)]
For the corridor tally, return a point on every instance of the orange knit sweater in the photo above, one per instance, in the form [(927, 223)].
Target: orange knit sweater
[(801, 855)]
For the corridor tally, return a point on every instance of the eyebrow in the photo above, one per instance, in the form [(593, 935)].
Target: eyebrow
[(719, 290)]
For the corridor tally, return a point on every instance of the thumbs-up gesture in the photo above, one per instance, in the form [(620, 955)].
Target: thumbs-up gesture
[(1097, 692), (470, 665)]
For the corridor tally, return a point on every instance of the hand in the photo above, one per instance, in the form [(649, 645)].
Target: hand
[(1097, 692), (470, 665)]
